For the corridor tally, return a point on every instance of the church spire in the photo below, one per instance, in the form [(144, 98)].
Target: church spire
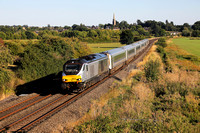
[(114, 20)]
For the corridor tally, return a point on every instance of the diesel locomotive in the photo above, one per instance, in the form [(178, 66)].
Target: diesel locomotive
[(85, 71)]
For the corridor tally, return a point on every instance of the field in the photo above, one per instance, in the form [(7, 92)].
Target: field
[(191, 46), (100, 47)]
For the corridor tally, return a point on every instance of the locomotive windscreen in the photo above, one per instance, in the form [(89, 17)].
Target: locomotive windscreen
[(72, 69)]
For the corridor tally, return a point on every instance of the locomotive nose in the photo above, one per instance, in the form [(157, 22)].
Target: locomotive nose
[(71, 78)]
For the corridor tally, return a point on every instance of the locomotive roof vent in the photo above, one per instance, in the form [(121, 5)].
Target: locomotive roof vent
[(89, 57)]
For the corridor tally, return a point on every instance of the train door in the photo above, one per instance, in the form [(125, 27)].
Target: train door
[(85, 73)]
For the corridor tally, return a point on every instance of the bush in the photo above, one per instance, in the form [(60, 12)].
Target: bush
[(15, 48), (5, 57), (2, 35), (165, 58), (48, 56), (5, 77), (38, 62), (162, 42), (30, 35), (152, 71)]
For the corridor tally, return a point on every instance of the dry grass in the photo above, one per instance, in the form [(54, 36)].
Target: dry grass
[(190, 79), (142, 92), (191, 99), (151, 55), (133, 73), (96, 107), (140, 104), (8, 88)]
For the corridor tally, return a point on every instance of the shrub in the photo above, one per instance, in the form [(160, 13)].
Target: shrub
[(5, 57), (162, 42), (5, 77), (165, 58), (152, 71), (15, 48), (38, 62), (48, 56), (2, 35), (31, 35)]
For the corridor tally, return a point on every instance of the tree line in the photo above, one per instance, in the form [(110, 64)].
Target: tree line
[(102, 32)]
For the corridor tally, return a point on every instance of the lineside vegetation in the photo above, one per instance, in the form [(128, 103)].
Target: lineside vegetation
[(31, 60), (160, 101)]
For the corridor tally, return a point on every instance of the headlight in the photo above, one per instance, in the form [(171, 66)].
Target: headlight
[(78, 79), (64, 79)]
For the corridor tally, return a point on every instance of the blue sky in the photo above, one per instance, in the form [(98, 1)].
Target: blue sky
[(94, 12)]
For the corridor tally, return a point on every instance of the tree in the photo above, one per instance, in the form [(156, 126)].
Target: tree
[(2, 35), (139, 22), (187, 25), (126, 37), (92, 33), (80, 27), (186, 32), (196, 33), (158, 31), (101, 26), (30, 35), (123, 25), (67, 27), (196, 26)]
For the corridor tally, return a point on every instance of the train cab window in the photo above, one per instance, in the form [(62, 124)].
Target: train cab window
[(83, 67), (71, 69), (86, 67)]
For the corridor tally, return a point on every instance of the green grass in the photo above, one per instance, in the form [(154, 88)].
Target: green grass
[(100, 47), (191, 46)]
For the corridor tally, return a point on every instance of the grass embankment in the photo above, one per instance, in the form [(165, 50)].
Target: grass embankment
[(190, 45), (181, 57), (150, 99), (100, 47)]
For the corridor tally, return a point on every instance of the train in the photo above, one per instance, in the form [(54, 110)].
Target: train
[(85, 71)]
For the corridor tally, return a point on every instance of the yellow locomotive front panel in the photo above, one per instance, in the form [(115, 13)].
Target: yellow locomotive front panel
[(72, 78)]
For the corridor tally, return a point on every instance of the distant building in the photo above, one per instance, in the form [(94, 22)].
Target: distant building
[(174, 33), (114, 20)]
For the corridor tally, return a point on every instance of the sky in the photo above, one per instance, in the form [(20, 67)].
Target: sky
[(94, 12)]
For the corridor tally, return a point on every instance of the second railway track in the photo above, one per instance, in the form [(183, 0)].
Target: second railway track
[(46, 110)]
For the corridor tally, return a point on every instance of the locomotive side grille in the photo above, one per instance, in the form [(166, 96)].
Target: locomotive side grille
[(91, 70)]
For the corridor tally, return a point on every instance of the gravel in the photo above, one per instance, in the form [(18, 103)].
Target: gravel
[(71, 113), (75, 111)]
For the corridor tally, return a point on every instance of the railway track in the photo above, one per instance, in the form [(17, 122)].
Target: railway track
[(53, 110), (11, 110)]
